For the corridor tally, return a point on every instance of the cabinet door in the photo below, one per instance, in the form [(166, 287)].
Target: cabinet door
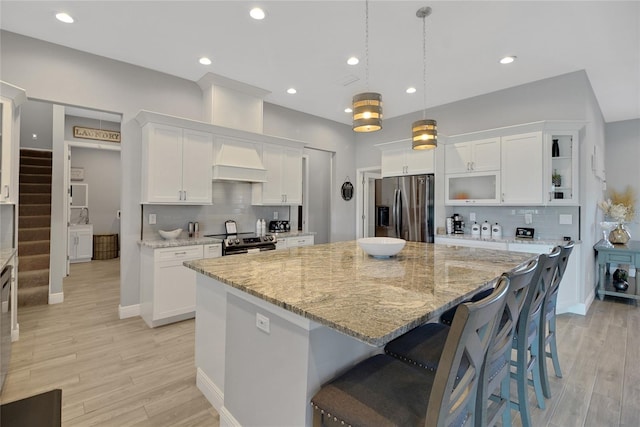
[(486, 155), (272, 193), (72, 240), (420, 161), (482, 188), (197, 164), (162, 164), (292, 177), (522, 169), (393, 162), (84, 247), (175, 290), (565, 166), (457, 157)]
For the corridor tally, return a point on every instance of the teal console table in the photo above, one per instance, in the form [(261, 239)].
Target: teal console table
[(619, 254)]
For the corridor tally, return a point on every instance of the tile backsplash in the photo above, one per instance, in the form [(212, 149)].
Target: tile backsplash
[(544, 219), (231, 200)]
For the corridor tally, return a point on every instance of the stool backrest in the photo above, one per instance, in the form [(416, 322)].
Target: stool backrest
[(471, 332), (563, 260), (543, 278)]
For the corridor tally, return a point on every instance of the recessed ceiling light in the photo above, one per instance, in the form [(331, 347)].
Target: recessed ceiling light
[(64, 17), (507, 59), (257, 13), (291, 91), (411, 90), (348, 110), (205, 61), (353, 61)]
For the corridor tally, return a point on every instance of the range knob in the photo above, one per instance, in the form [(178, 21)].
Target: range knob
[(237, 241), (229, 242), (271, 238)]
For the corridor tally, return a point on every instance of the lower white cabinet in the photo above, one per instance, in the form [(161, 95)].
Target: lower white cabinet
[(168, 288), (294, 241), (471, 243), (80, 243)]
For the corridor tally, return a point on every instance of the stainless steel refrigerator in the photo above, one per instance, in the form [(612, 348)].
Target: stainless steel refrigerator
[(404, 207)]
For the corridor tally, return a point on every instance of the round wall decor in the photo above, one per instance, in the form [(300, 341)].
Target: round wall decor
[(347, 190)]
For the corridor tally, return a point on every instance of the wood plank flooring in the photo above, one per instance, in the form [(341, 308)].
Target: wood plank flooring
[(112, 372), (122, 373)]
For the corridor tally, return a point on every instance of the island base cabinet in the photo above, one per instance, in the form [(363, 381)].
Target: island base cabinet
[(265, 377)]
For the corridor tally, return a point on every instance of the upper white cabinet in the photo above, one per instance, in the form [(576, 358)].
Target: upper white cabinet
[(522, 169), (397, 161), (561, 171), (176, 165), (472, 156), (10, 101), (284, 176)]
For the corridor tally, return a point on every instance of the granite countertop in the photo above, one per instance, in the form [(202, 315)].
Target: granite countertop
[(506, 239), (373, 300), (294, 234), (183, 240), (5, 256)]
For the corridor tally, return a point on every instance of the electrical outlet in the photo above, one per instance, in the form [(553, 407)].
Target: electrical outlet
[(262, 322), (152, 219), (275, 215), (528, 218), (472, 216)]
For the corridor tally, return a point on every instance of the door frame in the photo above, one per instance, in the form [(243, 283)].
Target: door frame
[(365, 176)]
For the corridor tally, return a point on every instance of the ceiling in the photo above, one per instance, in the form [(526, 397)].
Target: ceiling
[(305, 44)]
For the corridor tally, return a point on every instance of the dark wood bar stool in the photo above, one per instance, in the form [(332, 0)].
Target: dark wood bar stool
[(548, 326), (385, 391)]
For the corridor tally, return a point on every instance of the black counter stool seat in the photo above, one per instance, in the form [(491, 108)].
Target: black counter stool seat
[(526, 343), (548, 327), (384, 391)]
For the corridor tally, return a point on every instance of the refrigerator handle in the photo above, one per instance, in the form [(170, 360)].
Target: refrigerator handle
[(394, 211), (398, 206)]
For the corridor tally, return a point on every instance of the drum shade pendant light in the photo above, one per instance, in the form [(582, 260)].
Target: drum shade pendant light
[(425, 131), (367, 106)]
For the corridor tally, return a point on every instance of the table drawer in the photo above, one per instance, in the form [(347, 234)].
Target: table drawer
[(621, 258)]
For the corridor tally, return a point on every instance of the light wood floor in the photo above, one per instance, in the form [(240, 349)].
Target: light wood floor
[(120, 373), (112, 372)]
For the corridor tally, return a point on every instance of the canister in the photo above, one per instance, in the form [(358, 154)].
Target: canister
[(496, 231), (485, 229), (475, 229)]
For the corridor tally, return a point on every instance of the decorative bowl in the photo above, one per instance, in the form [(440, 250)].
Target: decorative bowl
[(381, 247), (170, 235)]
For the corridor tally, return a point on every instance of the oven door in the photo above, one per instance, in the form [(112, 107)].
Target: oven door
[(245, 250)]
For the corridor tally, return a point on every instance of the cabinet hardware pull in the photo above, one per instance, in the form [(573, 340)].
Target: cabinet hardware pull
[(179, 253)]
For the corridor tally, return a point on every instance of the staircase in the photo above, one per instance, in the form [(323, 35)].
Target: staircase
[(34, 227)]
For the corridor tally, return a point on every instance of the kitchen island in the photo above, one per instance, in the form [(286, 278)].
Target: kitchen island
[(271, 328)]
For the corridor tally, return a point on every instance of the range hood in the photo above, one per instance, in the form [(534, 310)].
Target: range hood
[(234, 105), (238, 161)]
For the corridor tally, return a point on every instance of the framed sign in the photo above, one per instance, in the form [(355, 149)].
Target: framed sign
[(98, 134)]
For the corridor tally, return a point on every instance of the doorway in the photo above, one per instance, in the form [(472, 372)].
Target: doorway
[(365, 206)]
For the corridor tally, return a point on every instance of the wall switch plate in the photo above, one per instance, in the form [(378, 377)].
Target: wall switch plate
[(152, 219), (565, 219), (262, 322), (472, 216), (528, 218)]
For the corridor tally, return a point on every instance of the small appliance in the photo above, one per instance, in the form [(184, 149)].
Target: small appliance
[(524, 233), (458, 224), (281, 226)]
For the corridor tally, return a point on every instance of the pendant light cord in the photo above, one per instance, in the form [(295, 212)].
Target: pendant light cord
[(366, 42), (424, 67)]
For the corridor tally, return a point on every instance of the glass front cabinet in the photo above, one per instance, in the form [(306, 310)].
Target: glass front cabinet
[(561, 174)]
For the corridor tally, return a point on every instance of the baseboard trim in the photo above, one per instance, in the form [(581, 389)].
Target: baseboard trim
[(128, 311), (211, 392), (15, 333), (56, 298), (227, 420)]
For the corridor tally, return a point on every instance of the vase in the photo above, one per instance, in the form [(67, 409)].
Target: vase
[(619, 235)]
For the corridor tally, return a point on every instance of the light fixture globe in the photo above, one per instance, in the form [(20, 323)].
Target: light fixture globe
[(425, 134), (367, 112)]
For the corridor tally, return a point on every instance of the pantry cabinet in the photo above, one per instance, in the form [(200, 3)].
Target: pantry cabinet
[(284, 176), (522, 169), (176, 165), (406, 161)]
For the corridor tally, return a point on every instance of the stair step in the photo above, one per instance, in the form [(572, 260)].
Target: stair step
[(35, 199), (34, 178), (37, 170), (31, 234), (34, 221), (33, 296), (34, 210), (36, 153), (33, 262), (31, 188), (35, 247), (33, 279), (35, 161)]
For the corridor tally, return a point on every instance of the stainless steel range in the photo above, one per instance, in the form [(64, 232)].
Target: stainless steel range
[(243, 243)]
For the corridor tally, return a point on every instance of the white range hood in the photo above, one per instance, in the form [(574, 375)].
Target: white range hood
[(234, 105)]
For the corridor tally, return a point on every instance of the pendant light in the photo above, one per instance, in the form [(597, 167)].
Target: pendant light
[(367, 106), (425, 131)]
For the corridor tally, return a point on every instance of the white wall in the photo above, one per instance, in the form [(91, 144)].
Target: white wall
[(622, 152)]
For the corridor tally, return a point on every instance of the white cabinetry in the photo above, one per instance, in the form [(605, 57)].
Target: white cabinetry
[(406, 161), (80, 243), (294, 241), (522, 169), (10, 101), (473, 156), (284, 176), (563, 190), (176, 165), (472, 172), (168, 288), (471, 243)]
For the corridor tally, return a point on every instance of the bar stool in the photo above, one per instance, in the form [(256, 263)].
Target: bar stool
[(422, 346), (526, 342), (548, 326), (385, 391)]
